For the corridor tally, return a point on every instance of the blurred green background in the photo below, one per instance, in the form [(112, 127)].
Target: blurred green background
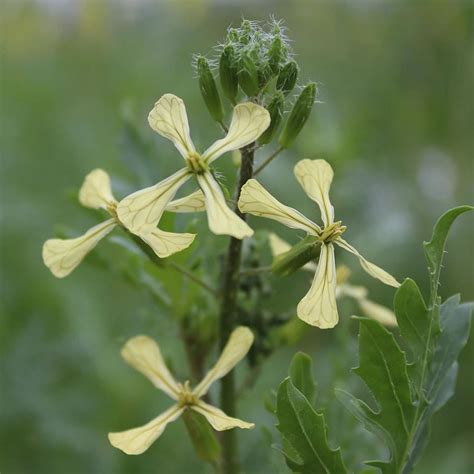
[(395, 121)]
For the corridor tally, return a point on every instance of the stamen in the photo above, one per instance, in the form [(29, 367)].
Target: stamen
[(186, 396), (196, 164)]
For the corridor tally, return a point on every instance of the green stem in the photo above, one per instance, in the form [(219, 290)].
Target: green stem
[(228, 320), (256, 271), (268, 161), (163, 263)]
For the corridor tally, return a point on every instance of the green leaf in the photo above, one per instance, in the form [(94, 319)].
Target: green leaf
[(383, 367), (409, 394), (304, 434), (301, 375), (418, 326), (434, 249), (202, 435), (441, 378)]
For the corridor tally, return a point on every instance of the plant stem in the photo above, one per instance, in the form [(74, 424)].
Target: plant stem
[(184, 271), (268, 160), (228, 320), (163, 263), (256, 271)]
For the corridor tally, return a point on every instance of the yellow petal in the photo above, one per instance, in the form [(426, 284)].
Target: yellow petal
[(144, 355), (372, 269), (164, 243), (249, 121), (218, 419), (315, 177), (378, 312), (220, 218), (279, 246), (168, 118), (138, 440), (234, 351), (96, 192), (194, 202), (142, 210), (62, 256), (255, 199), (318, 307)]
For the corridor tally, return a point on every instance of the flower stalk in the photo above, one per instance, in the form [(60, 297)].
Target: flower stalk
[(228, 319)]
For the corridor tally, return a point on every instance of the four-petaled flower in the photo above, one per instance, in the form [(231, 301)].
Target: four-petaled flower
[(143, 209), (358, 293), (143, 354), (318, 306), (62, 256)]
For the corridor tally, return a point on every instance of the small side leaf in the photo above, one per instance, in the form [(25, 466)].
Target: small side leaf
[(305, 430), (301, 375)]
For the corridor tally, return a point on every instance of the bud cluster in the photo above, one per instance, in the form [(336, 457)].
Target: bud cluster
[(255, 63)]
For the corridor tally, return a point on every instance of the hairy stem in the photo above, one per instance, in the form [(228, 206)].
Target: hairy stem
[(228, 320)]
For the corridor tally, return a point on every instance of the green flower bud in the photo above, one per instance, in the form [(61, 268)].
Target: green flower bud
[(209, 91), (245, 31), (304, 251), (228, 72), (275, 54), (287, 78), (265, 73), (248, 75), (275, 108), (233, 35), (299, 115)]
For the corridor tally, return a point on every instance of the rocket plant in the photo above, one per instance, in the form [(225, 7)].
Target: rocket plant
[(407, 357)]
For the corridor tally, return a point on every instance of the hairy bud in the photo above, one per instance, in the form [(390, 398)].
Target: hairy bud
[(287, 78), (208, 88), (248, 75), (275, 108), (299, 115), (228, 72)]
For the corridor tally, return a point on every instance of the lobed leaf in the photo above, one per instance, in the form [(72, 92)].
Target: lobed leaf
[(301, 375), (303, 430)]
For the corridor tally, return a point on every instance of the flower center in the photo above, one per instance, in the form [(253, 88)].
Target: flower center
[(186, 396), (332, 232), (196, 164)]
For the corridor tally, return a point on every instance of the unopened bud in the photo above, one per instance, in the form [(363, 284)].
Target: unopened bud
[(275, 109), (228, 72), (209, 92), (275, 54), (304, 251), (248, 75), (299, 115), (287, 78)]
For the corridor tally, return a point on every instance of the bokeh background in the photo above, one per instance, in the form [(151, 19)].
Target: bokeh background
[(395, 121)]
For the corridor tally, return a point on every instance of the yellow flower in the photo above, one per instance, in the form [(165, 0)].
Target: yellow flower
[(358, 293), (144, 355), (143, 209), (62, 256), (318, 306)]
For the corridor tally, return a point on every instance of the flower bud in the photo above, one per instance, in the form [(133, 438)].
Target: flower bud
[(248, 75), (275, 54), (275, 109), (299, 255), (287, 78), (228, 72), (299, 115), (208, 88)]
